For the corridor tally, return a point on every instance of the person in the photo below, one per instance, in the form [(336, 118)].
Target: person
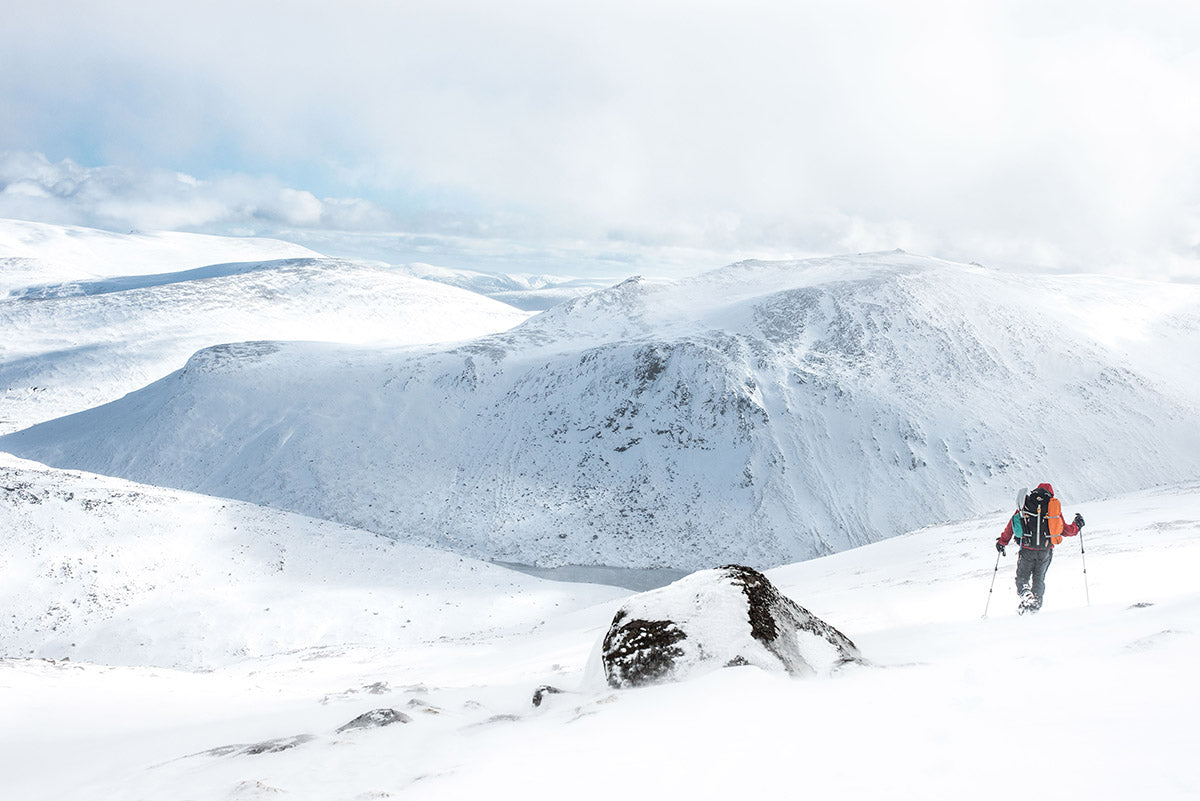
[(1039, 527)]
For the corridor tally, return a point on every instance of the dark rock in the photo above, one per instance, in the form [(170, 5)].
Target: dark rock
[(541, 692), (640, 651), (777, 621), (375, 719), (726, 617)]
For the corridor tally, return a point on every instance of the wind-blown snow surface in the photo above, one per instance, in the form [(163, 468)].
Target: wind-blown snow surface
[(1080, 701), (762, 413), (70, 346)]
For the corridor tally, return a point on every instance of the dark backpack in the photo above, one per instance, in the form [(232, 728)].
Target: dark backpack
[(1038, 522)]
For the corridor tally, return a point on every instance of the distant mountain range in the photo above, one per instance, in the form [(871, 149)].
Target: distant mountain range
[(528, 292)]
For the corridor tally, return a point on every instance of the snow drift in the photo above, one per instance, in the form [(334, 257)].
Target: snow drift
[(762, 413)]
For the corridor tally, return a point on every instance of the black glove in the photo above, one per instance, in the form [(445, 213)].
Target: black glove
[(1078, 520), (1000, 548)]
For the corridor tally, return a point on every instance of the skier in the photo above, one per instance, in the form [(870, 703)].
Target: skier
[(1039, 527)]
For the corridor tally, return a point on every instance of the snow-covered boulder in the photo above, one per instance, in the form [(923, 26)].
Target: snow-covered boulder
[(723, 617)]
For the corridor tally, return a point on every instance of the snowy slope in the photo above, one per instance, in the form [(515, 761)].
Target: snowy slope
[(1100, 696), (39, 253), (68, 347), (103, 570), (763, 413)]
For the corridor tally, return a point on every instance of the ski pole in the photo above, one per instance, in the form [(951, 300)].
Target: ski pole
[(1082, 556), (993, 584)]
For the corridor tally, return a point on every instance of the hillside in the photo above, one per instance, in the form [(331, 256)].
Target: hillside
[(70, 346), (39, 253), (101, 570), (937, 712), (763, 413)]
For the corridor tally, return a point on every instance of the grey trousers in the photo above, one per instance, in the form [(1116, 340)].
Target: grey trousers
[(1031, 571)]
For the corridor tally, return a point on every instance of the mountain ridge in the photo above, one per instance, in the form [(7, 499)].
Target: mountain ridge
[(69, 346), (765, 413), (35, 252)]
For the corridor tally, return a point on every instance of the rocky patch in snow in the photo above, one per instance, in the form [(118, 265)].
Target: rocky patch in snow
[(540, 693), (254, 749), (375, 719), (725, 617)]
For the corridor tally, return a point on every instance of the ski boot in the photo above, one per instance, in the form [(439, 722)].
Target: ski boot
[(1029, 603)]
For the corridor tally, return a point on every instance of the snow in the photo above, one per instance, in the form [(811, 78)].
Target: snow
[(69, 346), (106, 571), (153, 639), (522, 290), (764, 413), (33, 252), (1078, 701)]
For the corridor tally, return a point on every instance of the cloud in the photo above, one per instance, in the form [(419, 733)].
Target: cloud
[(115, 198), (1059, 132)]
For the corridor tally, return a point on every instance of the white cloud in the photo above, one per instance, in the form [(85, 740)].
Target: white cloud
[(32, 187), (1015, 131)]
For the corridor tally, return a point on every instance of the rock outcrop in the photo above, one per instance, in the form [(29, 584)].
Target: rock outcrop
[(724, 617), (375, 719)]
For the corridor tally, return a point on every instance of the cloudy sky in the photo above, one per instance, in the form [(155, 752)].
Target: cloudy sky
[(654, 135)]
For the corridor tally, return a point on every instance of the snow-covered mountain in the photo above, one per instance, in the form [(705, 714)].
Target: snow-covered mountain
[(40, 253), (939, 709), (525, 291), (71, 345), (102, 570), (762, 413)]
